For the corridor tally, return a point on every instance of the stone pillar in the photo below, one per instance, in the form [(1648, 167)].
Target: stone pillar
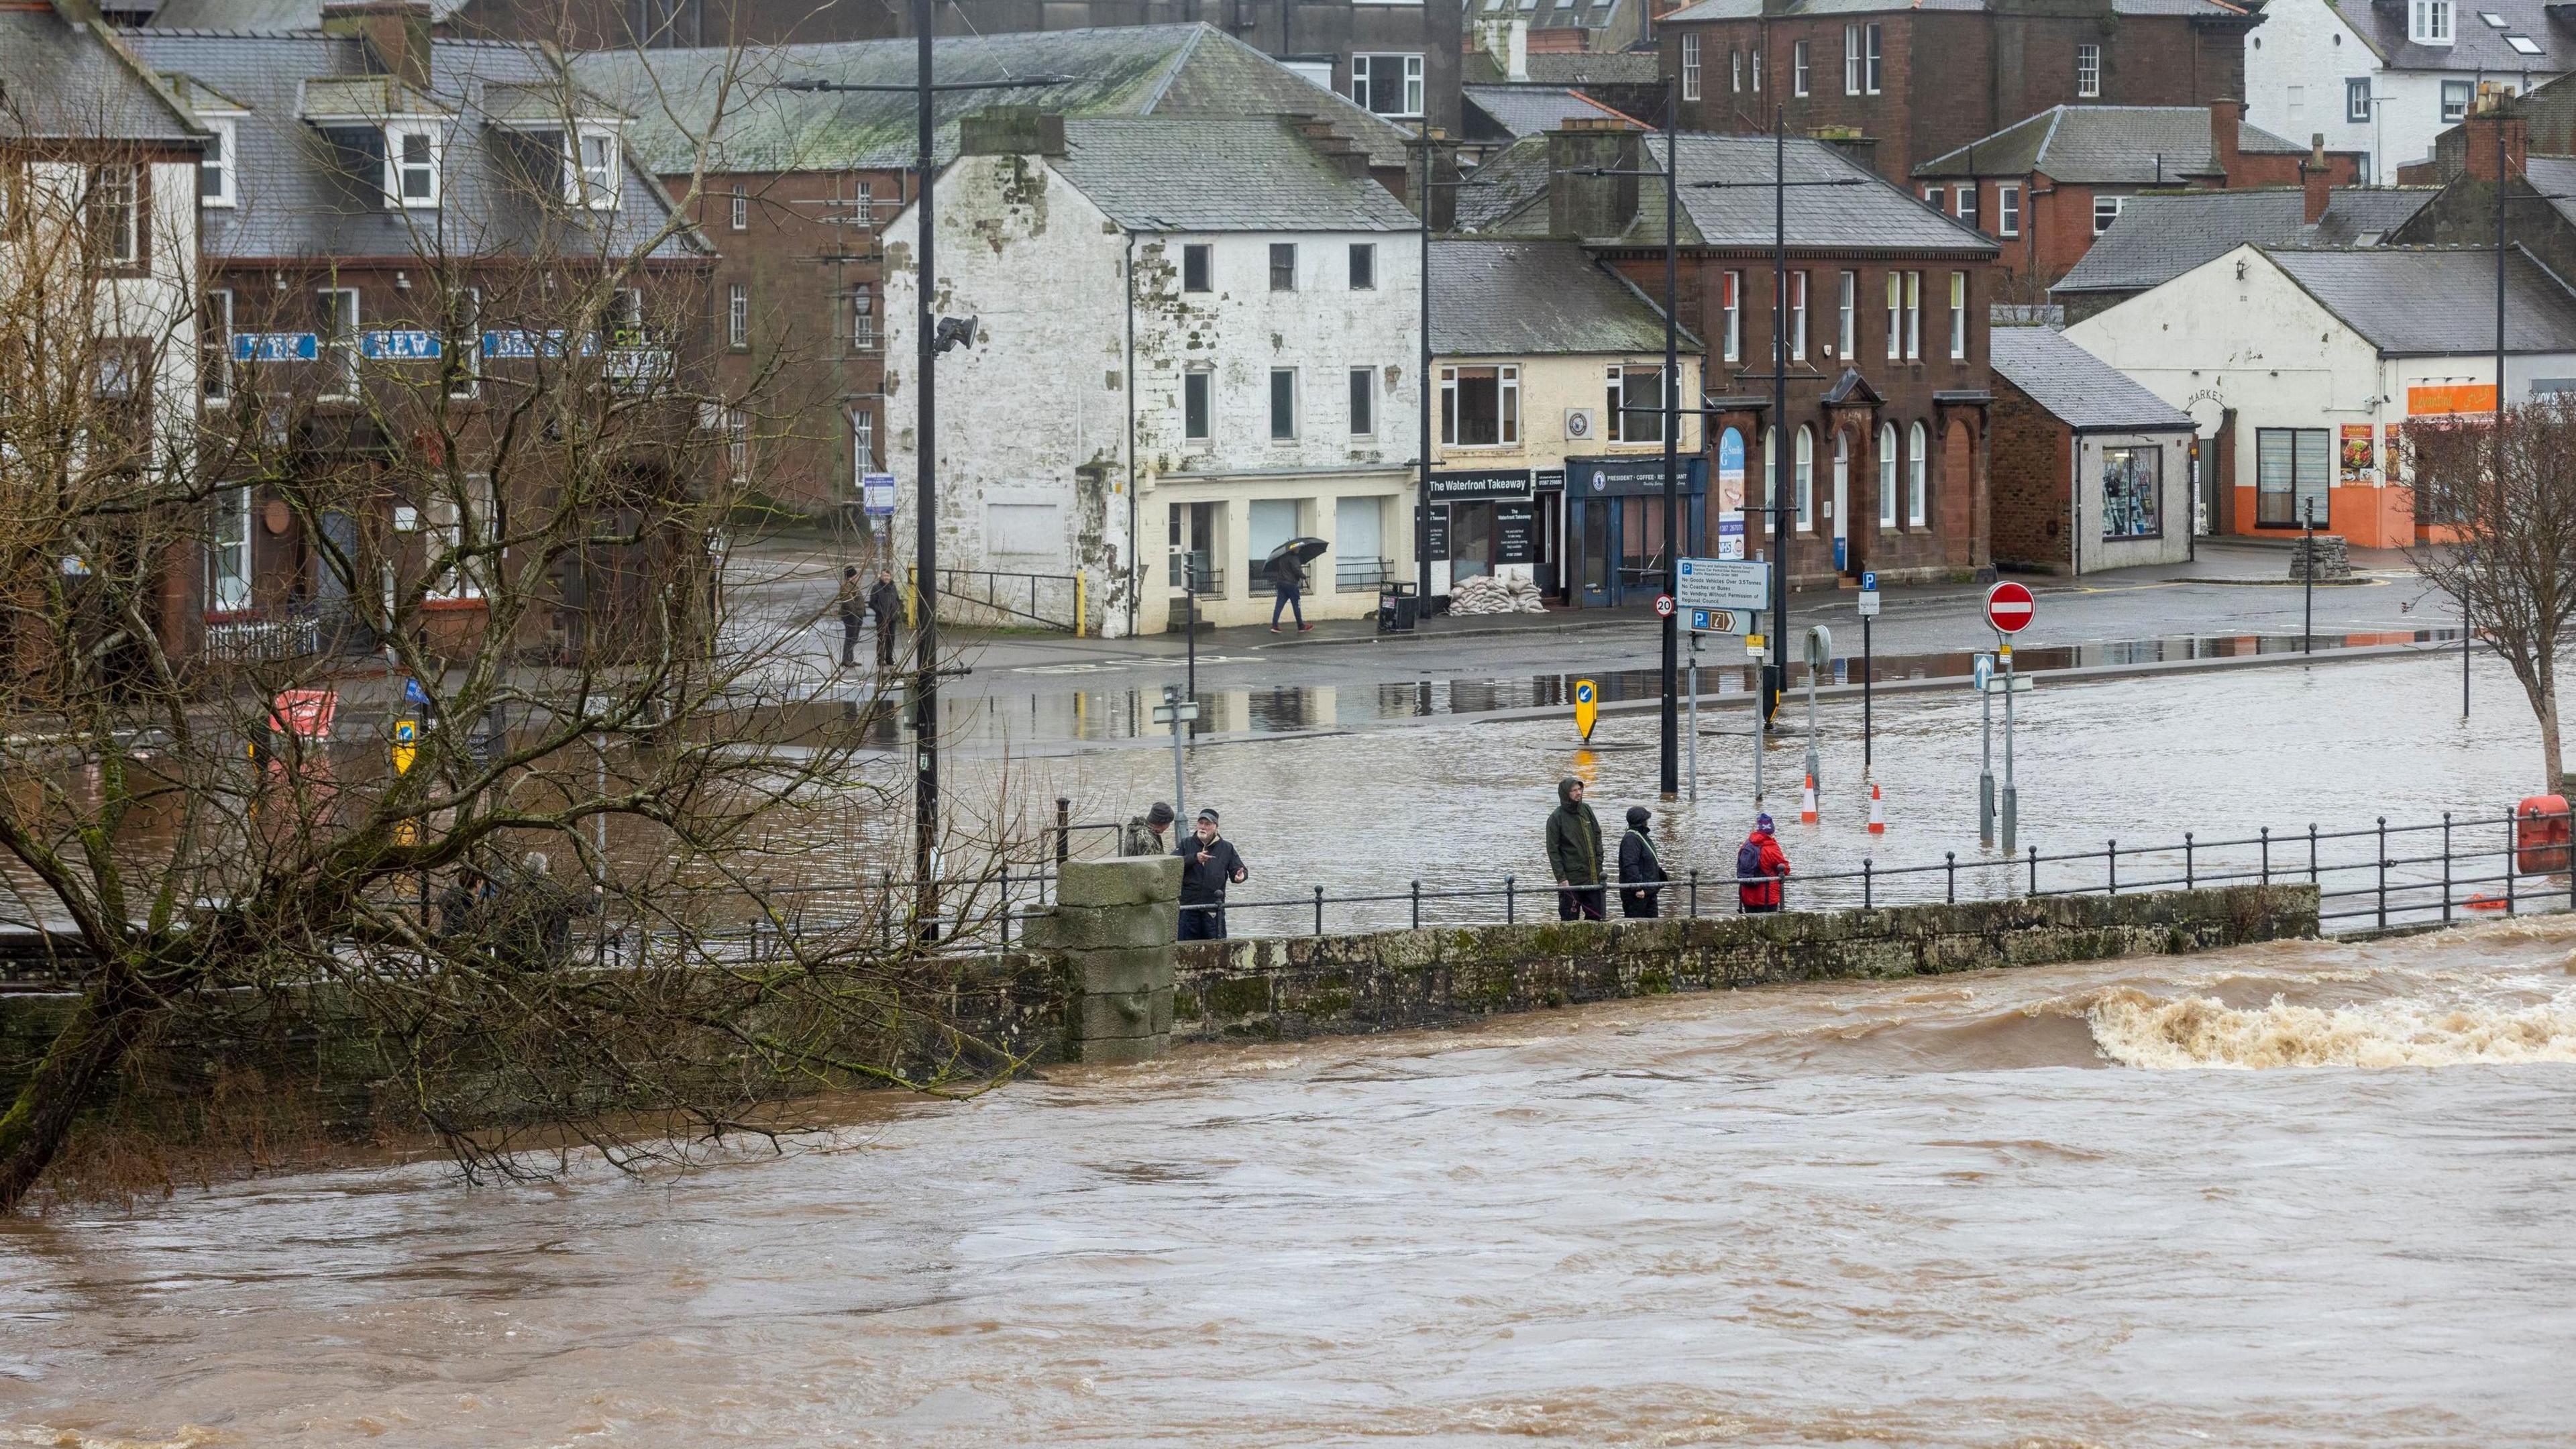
[(1111, 939)]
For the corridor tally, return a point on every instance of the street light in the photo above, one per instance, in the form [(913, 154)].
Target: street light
[(927, 344)]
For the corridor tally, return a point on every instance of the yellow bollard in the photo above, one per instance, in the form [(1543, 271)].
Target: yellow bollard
[(1079, 612)]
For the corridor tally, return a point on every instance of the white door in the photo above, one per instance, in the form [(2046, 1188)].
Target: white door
[(1359, 542), (1842, 500)]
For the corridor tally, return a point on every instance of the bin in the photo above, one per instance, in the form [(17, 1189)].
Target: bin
[(2540, 835), (1397, 608)]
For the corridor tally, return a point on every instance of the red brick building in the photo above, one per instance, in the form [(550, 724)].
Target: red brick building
[(1883, 449), (1903, 81), (2047, 186)]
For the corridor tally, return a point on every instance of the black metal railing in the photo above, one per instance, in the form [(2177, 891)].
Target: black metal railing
[(1049, 601)]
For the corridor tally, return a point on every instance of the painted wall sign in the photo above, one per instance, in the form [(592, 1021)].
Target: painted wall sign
[(1456, 484), (276, 347), (519, 343), (2359, 452), (401, 345), (2444, 399)]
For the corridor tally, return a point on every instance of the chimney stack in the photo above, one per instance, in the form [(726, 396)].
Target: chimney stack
[(1592, 207), (396, 34), (2226, 122), (2494, 113), (2316, 179)]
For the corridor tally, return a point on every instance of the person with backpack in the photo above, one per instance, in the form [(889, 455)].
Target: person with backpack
[(1574, 854), (1760, 867), (1638, 863)]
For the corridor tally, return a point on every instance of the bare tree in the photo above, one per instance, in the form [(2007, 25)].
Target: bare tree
[(567, 854), (2499, 501)]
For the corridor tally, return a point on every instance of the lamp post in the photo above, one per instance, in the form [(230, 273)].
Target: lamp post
[(927, 345)]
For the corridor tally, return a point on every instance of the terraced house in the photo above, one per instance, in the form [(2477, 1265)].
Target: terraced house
[(799, 188), (436, 294)]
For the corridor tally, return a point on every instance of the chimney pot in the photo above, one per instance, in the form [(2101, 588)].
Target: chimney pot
[(396, 34)]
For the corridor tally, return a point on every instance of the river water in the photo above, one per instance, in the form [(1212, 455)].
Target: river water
[(2309, 1193)]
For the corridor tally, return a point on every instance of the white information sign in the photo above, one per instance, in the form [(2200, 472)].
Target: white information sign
[(1709, 583)]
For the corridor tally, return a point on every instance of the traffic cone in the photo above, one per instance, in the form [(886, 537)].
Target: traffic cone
[(1877, 811), (1807, 803)]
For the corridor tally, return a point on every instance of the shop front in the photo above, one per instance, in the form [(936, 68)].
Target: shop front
[(1614, 526), (1484, 521)]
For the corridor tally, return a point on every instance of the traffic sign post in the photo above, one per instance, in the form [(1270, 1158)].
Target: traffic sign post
[(2009, 608), (1868, 674), (1587, 708), (1820, 657), (1753, 645), (1982, 671), (1177, 712), (1694, 716), (1663, 606), (1714, 583), (2012, 809)]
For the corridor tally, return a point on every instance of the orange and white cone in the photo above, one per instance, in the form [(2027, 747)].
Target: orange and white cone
[(1807, 803), (1877, 811)]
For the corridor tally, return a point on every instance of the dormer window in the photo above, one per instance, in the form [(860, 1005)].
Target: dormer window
[(216, 185), (411, 165), (590, 175), (2429, 22)]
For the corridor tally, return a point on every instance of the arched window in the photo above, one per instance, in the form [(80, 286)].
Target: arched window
[(1887, 475), (1806, 477), (1914, 488), (1770, 472)]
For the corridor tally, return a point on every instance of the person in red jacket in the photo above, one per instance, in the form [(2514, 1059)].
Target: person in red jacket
[(1760, 866)]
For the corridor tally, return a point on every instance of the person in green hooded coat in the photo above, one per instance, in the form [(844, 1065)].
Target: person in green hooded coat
[(1574, 854)]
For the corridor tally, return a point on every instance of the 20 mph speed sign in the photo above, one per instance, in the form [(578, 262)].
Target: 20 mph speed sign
[(1664, 605), (2008, 608)]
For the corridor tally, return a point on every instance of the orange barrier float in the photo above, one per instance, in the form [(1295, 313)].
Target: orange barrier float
[(2540, 835)]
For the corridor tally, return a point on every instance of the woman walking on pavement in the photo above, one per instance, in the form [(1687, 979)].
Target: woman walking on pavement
[(1574, 854), (1639, 863)]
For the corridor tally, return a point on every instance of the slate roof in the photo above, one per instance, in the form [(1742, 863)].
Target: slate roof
[(1526, 110), (1509, 180), (62, 79), (2162, 234), (2435, 301), (2555, 178), (1139, 70), (263, 17), (1842, 207), (2079, 389), (1570, 68), (1753, 9), (1154, 173), (302, 195), (2475, 45), (1509, 298), (2105, 145)]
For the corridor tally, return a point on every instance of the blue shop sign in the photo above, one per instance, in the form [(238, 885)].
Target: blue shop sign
[(401, 345), (521, 343), (276, 347)]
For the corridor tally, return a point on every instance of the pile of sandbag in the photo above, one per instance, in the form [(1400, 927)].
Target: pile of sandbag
[(1495, 594)]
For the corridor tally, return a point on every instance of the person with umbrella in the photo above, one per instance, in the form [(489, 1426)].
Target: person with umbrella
[(1288, 571)]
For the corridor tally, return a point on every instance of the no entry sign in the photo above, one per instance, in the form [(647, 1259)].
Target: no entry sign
[(2008, 607)]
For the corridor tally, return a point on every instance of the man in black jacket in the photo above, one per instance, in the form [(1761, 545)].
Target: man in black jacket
[(887, 601), (1208, 865), (1638, 862)]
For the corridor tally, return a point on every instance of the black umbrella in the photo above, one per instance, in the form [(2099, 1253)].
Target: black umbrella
[(1307, 551)]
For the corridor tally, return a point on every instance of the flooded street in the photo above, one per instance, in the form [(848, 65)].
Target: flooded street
[(2139, 1203)]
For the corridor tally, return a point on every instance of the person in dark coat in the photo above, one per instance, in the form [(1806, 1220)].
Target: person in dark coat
[(1574, 854), (1290, 578), (887, 601), (1208, 865), (1143, 834), (1638, 862), (1760, 866), (853, 606)]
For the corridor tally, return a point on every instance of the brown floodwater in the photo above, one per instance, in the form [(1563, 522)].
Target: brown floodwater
[(2309, 1193)]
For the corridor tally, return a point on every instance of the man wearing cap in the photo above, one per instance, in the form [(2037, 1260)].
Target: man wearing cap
[(1144, 833), (1208, 866), (1760, 866)]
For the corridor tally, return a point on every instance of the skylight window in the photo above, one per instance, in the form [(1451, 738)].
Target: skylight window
[(2523, 44), (2493, 20)]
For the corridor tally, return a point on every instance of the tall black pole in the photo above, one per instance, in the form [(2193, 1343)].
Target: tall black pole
[(1422, 379), (1776, 674), (925, 686), (1672, 761), (2495, 115), (2308, 585)]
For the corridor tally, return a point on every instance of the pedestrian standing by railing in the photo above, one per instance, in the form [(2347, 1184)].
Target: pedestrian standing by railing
[(1208, 865), (1143, 834), (1638, 862), (1574, 854), (1760, 867), (852, 605), (887, 601)]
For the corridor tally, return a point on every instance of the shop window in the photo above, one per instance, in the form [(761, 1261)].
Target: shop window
[(2132, 487), (2292, 467)]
